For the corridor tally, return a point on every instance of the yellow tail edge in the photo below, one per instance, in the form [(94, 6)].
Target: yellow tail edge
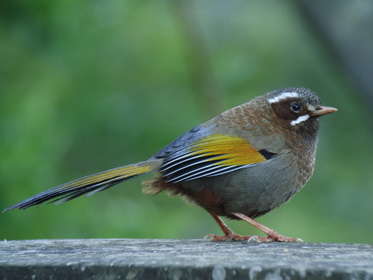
[(89, 185)]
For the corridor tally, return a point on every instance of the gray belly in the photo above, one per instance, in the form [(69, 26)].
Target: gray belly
[(255, 190)]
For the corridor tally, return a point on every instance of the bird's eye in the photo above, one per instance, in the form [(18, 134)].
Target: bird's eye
[(295, 107)]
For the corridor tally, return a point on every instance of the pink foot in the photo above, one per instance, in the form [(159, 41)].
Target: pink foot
[(230, 237)]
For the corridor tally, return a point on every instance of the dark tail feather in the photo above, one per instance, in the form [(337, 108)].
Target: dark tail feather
[(90, 184)]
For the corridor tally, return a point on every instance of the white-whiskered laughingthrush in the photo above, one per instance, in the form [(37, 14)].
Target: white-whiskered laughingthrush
[(241, 164)]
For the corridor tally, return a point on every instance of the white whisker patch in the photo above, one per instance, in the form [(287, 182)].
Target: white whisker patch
[(300, 119), (283, 96)]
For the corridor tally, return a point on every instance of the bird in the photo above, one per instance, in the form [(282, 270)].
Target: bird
[(239, 165)]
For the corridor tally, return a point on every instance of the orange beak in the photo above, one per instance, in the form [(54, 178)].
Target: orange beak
[(322, 110)]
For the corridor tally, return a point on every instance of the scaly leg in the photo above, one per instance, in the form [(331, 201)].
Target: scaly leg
[(228, 233), (272, 235)]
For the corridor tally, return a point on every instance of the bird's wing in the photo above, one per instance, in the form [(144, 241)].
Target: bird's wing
[(207, 156)]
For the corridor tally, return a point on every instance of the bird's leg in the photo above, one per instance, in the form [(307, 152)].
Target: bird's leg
[(272, 235), (228, 233)]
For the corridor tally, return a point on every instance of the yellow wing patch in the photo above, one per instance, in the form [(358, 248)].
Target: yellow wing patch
[(210, 156), (231, 150)]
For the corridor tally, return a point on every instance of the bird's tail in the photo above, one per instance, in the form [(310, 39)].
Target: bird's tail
[(89, 185)]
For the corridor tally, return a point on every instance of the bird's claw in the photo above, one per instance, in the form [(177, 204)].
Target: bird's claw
[(232, 237)]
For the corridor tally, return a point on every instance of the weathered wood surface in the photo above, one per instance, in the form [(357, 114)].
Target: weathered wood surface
[(182, 259)]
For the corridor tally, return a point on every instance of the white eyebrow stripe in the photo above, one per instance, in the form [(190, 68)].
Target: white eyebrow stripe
[(282, 96), (300, 119)]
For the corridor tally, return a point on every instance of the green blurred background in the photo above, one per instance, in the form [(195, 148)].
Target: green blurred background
[(91, 85)]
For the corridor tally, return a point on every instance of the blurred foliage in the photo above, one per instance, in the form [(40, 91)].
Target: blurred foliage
[(90, 85)]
